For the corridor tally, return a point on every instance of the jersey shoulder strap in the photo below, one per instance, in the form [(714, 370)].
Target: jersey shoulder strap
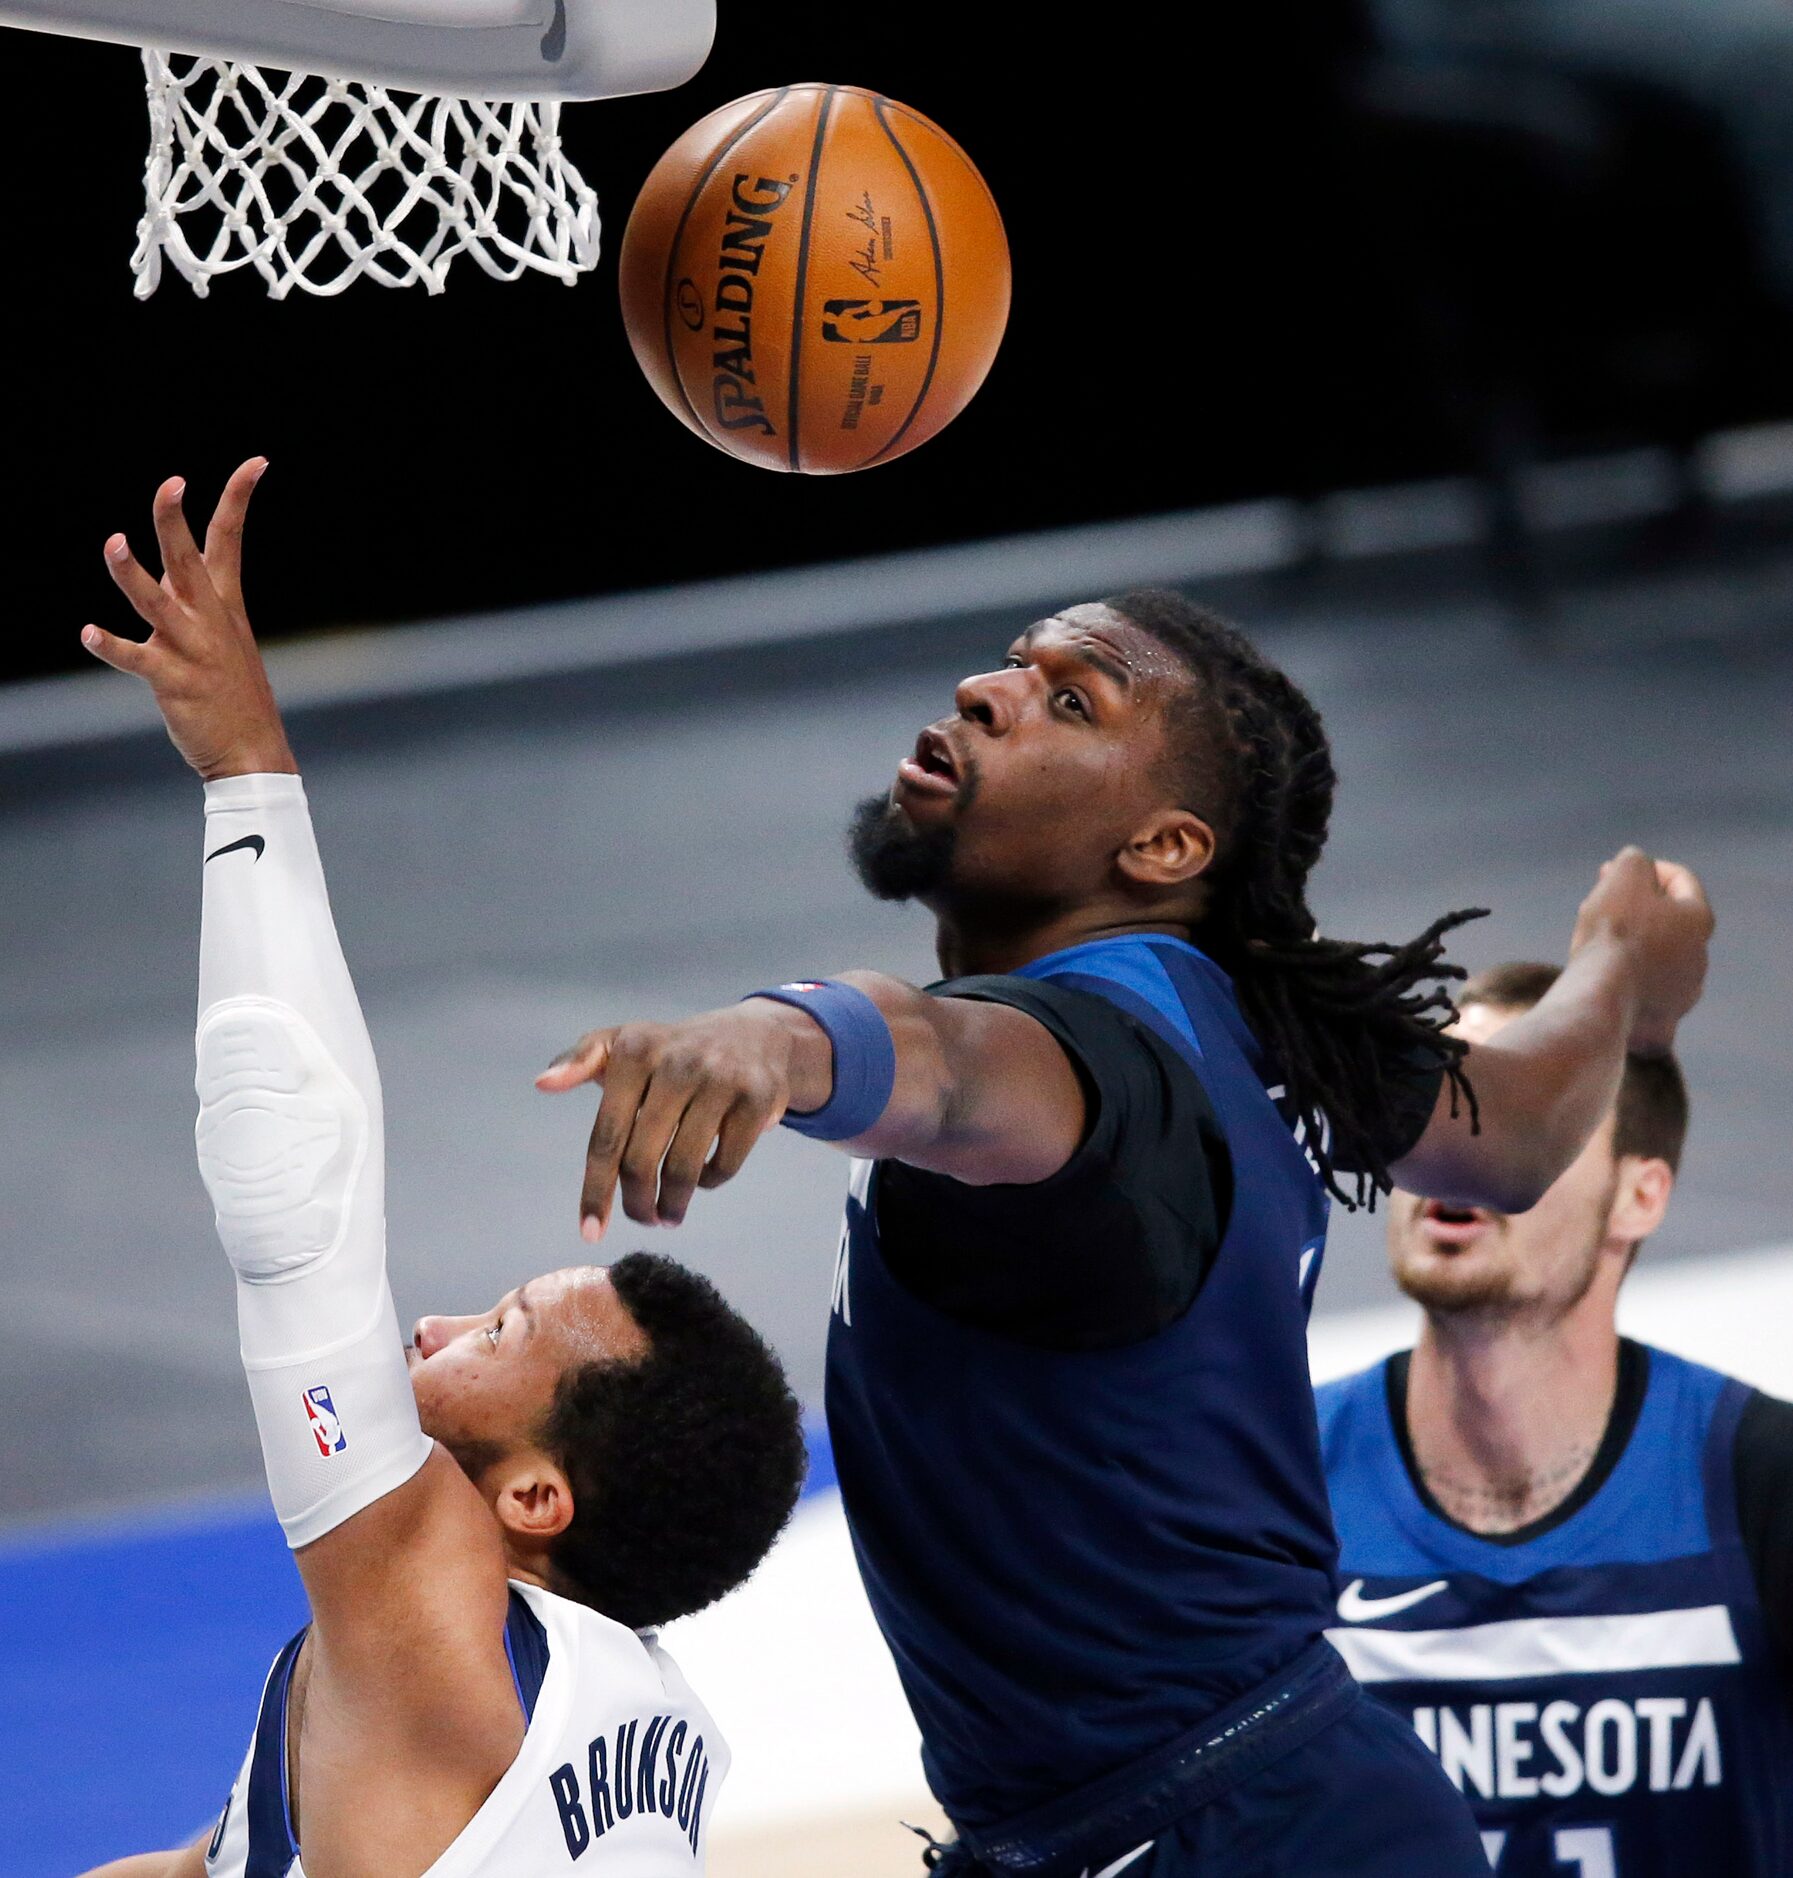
[(1349, 1407), (1167, 984), (1659, 1501), (1698, 1412), (526, 1649), (254, 1836)]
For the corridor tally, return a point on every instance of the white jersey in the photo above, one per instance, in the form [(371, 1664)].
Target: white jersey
[(616, 1777)]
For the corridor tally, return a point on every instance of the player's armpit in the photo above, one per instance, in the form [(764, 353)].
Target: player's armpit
[(418, 1574), (405, 1668)]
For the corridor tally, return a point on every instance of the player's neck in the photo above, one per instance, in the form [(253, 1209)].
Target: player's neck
[(969, 943), (1506, 1415)]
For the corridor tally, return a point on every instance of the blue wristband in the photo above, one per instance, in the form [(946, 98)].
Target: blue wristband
[(864, 1057)]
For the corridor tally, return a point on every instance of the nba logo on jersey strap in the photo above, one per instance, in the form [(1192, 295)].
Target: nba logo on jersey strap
[(802, 984), (326, 1429)]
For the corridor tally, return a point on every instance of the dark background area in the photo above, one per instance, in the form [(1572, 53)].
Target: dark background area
[(1265, 259)]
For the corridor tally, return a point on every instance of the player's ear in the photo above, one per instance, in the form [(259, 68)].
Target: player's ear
[(534, 1500), (1641, 1198), (1171, 846)]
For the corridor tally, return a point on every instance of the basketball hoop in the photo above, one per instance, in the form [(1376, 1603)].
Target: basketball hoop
[(319, 182), (322, 142)]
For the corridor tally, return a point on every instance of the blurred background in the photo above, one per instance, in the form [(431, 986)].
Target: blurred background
[(1446, 345)]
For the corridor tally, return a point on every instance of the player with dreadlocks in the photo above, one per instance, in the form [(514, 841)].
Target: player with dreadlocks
[(1067, 1377)]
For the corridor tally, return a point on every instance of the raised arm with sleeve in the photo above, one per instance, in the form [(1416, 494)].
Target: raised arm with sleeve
[(292, 1152)]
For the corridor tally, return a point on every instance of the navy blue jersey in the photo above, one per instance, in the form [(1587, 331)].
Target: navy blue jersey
[(1604, 1693), (1076, 1555)]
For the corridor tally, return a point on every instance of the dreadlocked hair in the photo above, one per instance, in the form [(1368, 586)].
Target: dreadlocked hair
[(1348, 1027)]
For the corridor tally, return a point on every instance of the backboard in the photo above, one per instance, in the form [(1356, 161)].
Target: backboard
[(322, 142), (485, 49)]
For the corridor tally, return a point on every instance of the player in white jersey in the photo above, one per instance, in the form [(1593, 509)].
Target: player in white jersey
[(486, 1522)]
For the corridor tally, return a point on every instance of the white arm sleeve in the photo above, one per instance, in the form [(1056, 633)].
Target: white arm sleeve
[(292, 1152)]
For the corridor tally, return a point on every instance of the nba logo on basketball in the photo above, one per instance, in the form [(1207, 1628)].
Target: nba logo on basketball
[(872, 322), (326, 1430)]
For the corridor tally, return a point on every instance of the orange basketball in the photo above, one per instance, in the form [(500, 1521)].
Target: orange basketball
[(815, 278)]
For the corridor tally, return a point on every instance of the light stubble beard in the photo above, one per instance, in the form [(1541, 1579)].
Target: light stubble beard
[(1491, 1289), (1460, 1290)]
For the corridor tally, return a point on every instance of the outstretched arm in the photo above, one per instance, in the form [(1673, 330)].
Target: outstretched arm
[(1542, 1084), (978, 1091), (401, 1560), (985, 1094)]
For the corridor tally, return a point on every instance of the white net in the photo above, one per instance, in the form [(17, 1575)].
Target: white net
[(319, 182)]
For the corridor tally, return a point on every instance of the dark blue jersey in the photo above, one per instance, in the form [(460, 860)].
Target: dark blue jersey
[(1077, 1554), (1605, 1692)]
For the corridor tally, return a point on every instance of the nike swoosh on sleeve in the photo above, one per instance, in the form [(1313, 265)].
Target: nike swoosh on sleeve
[(230, 847), (1355, 1608)]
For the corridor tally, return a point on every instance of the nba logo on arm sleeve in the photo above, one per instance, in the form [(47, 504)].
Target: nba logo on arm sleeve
[(326, 1429)]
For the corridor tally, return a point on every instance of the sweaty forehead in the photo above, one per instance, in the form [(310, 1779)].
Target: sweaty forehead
[(587, 1314), (1100, 628)]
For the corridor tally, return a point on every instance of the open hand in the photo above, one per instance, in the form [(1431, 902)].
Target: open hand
[(1659, 912), (200, 658)]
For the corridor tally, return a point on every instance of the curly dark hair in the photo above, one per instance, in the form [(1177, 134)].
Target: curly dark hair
[(1341, 1021), (685, 1463)]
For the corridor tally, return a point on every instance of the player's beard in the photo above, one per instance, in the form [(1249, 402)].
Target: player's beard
[(893, 858), (1451, 1290), (1497, 1288)]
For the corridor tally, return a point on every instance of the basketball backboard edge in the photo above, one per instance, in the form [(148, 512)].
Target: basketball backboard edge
[(525, 49)]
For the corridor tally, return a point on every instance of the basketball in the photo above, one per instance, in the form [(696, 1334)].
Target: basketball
[(815, 278)]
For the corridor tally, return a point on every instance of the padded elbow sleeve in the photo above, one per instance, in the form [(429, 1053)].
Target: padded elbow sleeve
[(289, 1148), (282, 1138)]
